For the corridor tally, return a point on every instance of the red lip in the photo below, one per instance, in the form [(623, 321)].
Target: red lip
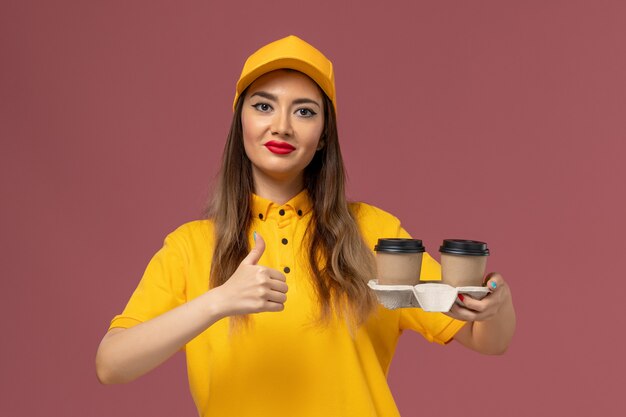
[(281, 148)]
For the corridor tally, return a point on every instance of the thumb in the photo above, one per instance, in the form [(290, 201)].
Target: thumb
[(493, 280), (256, 252)]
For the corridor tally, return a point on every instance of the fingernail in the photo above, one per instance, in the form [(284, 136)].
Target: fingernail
[(493, 285), (254, 237), (461, 297)]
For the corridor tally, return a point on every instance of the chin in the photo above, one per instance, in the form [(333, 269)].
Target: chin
[(277, 171)]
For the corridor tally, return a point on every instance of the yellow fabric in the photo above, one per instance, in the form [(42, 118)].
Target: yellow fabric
[(283, 366)]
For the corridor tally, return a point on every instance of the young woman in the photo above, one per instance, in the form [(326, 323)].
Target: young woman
[(268, 295)]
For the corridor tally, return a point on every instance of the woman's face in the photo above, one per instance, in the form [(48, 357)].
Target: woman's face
[(282, 120)]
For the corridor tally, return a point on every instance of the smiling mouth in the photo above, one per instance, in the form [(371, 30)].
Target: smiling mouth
[(281, 148)]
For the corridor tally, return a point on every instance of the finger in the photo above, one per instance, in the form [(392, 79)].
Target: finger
[(474, 304), (271, 306), (461, 313), (494, 280), (277, 297), (276, 274), (279, 286), (255, 254)]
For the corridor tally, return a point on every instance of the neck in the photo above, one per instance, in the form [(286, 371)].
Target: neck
[(278, 190)]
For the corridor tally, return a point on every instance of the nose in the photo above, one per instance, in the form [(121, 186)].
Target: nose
[(281, 124)]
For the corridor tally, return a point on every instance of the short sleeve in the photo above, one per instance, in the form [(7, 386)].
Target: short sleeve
[(161, 288)]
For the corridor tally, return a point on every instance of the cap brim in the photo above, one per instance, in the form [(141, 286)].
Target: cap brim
[(286, 63)]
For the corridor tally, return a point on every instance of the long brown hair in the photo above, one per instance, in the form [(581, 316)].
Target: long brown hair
[(340, 261)]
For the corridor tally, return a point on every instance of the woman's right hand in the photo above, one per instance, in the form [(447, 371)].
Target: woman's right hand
[(253, 288), (125, 354)]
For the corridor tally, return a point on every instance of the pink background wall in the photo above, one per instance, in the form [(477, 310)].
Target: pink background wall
[(501, 121)]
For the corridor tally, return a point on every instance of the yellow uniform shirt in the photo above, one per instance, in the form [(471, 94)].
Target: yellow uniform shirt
[(283, 365)]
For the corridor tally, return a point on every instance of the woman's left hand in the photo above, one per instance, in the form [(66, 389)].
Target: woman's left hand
[(488, 307)]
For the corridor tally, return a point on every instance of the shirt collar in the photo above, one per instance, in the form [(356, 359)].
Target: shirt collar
[(300, 205)]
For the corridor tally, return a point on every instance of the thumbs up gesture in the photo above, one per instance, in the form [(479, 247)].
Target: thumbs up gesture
[(254, 288)]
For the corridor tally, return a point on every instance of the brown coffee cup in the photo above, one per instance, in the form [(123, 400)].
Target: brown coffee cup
[(399, 261), (463, 262)]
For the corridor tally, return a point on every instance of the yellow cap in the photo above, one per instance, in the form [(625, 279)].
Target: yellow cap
[(293, 53)]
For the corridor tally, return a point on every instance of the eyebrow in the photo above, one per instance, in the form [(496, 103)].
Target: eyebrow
[(275, 99)]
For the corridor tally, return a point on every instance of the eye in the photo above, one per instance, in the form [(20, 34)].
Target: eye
[(305, 112), (263, 107)]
